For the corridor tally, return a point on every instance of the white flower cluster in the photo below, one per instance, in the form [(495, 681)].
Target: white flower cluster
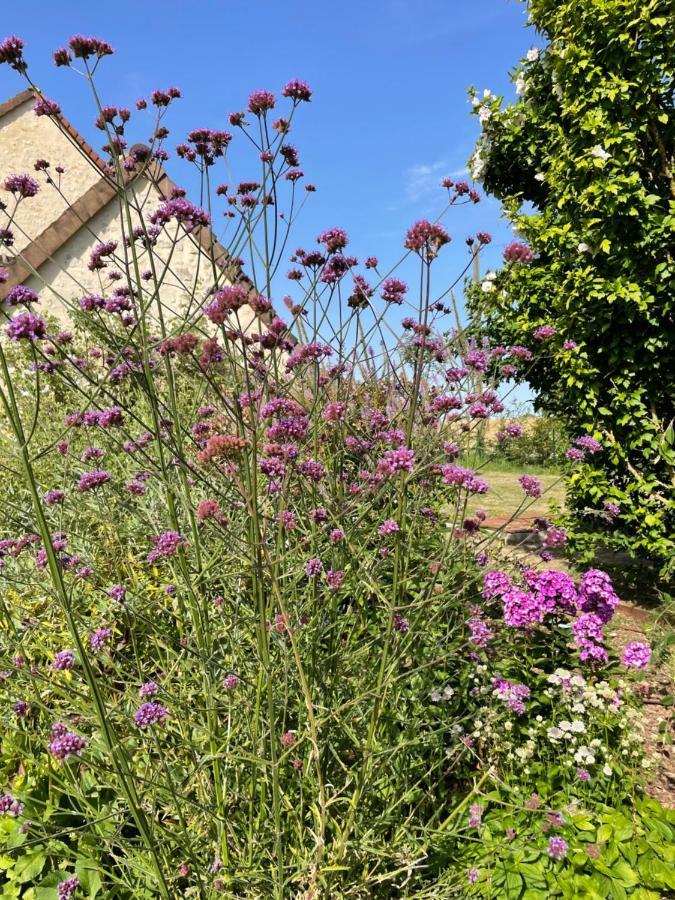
[(446, 694), (488, 284)]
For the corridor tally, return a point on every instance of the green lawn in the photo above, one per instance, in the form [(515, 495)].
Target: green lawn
[(506, 496)]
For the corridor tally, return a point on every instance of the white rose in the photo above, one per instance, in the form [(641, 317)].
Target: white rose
[(599, 152)]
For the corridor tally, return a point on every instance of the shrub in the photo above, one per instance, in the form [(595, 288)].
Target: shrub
[(250, 643), (582, 163)]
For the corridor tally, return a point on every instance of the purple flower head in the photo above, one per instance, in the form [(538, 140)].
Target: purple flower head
[(182, 211), (165, 545), (66, 889), (589, 444), (555, 590), (477, 359), (53, 497), (458, 477), (117, 592), (150, 714), (62, 57), (92, 480), (389, 526), (313, 567), (297, 91), (522, 609), (611, 509), (636, 655), (394, 291), (401, 625), (83, 47), (512, 694), (583, 774), (260, 102), (230, 682), (64, 659), (149, 689), (426, 237), (26, 326), (544, 332), (22, 185), (597, 594), (64, 743), (45, 107), (557, 848), (394, 461), (473, 875), (575, 454), (589, 637), (475, 815), (480, 632), (21, 708), (10, 806), (531, 485), (335, 579), (11, 52), (518, 252), (334, 239), (99, 638)]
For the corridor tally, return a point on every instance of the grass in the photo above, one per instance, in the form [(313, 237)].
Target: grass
[(506, 497)]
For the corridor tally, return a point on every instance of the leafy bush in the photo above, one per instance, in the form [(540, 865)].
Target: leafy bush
[(542, 442), (582, 163), (250, 642)]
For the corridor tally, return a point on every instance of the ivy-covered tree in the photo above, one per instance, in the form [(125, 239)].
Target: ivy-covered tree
[(583, 163)]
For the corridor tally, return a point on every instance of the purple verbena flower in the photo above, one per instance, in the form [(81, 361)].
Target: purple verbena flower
[(65, 743), (10, 806), (66, 889), (64, 659), (313, 567), (26, 326), (22, 185), (98, 639), (150, 714), (92, 480), (530, 485)]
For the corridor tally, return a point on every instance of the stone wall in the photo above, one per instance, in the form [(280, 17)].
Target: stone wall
[(25, 138)]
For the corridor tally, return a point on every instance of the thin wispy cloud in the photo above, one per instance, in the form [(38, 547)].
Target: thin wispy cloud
[(421, 183), (423, 179)]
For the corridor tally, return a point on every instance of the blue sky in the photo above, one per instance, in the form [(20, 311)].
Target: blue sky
[(389, 116)]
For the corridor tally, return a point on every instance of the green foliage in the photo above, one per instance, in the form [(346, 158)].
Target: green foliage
[(543, 443), (583, 164), (625, 851)]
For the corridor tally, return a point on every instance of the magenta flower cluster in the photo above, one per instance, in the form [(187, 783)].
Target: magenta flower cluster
[(636, 655), (65, 743), (591, 604), (165, 545), (150, 714)]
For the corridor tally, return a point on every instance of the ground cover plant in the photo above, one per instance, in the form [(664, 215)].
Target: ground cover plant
[(254, 642)]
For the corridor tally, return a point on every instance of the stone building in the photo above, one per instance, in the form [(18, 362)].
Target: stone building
[(56, 231)]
